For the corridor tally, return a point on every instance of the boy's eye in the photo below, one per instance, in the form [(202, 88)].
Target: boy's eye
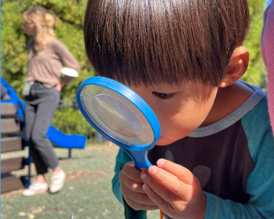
[(162, 95)]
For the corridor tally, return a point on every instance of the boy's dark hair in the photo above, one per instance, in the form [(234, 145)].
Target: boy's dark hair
[(169, 41)]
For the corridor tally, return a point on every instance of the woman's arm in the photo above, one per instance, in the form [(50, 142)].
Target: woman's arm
[(64, 80), (67, 59)]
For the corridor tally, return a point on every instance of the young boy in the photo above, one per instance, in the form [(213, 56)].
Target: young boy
[(184, 58)]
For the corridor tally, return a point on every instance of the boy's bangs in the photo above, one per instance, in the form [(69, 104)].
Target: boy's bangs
[(153, 42)]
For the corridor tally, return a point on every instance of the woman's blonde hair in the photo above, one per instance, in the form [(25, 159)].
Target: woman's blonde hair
[(44, 23)]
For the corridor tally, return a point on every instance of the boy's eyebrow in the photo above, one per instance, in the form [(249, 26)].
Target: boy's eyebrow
[(164, 92)]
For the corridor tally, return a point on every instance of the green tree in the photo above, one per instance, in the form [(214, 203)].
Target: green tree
[(68, 28), (256, 73)]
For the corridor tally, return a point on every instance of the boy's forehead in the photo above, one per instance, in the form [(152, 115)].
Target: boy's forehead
[(170, 88), (156, 86)]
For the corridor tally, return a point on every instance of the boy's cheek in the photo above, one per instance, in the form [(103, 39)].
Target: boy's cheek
[(176, 131)]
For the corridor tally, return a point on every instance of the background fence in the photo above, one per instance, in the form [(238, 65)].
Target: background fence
[(69, 120)]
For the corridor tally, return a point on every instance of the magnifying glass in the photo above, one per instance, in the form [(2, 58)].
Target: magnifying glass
[(121, 116)]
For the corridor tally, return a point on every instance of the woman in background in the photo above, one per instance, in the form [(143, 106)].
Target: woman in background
[(47, 56)]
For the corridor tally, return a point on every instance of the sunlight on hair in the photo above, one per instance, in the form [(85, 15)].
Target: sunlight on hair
[(44, 22)]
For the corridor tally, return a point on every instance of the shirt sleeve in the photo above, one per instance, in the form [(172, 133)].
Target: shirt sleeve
[(66, 57), (267, 46), (260, 183), (129, 213), (121, 159)]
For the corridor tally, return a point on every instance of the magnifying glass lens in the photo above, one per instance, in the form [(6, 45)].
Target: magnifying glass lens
[(116, 116)]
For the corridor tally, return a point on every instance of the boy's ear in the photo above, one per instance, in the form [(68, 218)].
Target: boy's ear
[(236, 67)]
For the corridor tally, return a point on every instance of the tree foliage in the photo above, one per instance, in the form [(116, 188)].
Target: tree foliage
[(68, 28), (256, 73)]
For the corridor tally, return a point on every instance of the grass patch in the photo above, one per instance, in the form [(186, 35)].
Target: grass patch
[(86, 194)]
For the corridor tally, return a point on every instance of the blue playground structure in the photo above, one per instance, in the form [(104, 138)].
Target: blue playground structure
[(59, 139)]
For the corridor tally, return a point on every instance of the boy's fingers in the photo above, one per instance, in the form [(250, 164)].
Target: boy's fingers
[(168, 181), (182, 173), (167, 187), (158, 200), (131, 172), (132, 185), (139, 198)]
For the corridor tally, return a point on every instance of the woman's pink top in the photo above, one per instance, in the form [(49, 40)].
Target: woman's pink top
[(45, 65)]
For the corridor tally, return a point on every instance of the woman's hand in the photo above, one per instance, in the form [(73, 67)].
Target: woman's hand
[(132, 189), (66, 79), (175, 190), (59, 87)]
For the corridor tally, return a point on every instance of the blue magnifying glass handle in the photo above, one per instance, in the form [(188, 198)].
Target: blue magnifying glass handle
[(140, 159), (141, 163)]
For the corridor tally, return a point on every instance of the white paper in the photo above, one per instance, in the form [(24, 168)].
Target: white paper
[(69, 72)]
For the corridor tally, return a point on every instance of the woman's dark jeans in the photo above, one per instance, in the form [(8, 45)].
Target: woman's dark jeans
[(41, 104)]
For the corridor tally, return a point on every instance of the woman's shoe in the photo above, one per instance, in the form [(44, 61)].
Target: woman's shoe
[(35, 188), (57, 181)]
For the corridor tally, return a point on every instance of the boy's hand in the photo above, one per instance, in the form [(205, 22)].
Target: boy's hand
[(132, 189), (175, 190)]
